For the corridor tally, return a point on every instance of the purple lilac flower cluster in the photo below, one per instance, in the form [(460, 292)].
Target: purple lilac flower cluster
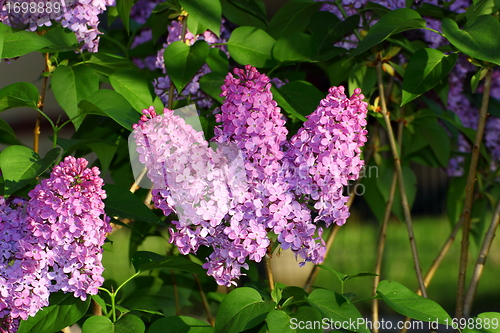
[(325, 152), (162, 84), (23, 287), (234, 208), (53, 242), (80, 16)]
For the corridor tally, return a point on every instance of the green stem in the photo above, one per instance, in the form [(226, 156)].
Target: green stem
[(469, 195), (399, 171)]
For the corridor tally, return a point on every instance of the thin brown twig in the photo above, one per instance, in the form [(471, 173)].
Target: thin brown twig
[(41, 104), (383, 234), (399, 171), (206, 306), (269, 271), (469, 195), (481, 261), (96, 308)]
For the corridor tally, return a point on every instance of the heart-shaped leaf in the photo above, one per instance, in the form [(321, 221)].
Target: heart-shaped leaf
[(182, 62)]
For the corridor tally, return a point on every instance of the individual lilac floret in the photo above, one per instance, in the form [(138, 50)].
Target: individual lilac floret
[(66, 213), (23, 287), (325, 153), (192, 90)]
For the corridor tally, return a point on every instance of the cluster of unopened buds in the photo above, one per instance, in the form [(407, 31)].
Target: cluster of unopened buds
[(51, 242), (255, 182)]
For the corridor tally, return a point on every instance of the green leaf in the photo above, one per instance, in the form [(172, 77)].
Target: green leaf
[(207, 12), (143, 257), (302, 320), (335, 307), (211, 84), (479, 39), (326, 28), (182, 62), (109, 103), (294, 47), (253, 46), (105, 151), (392, 23), (244, 13), (60, 39), (4, 126), (21, 43), (194, 25), (106, 64), (98, 324), (217, 61), (406, 302), (363, 77), (129, 323), (123, 203), (298, 98), (435, 135), (476, 78), (279, 322), (19, 94), (123, 7), (71, 85), (483, 7), (4, 29), (486, 322), (180, 324), (426, 68), (64, 310), (136, 88), (171, 262), (242, 309), (276, 294), (291, 18), (20, 165)]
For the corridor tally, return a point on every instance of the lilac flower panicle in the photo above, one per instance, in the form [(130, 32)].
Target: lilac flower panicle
[(235, 217), (53, 242), (67, 214), (325, 152)]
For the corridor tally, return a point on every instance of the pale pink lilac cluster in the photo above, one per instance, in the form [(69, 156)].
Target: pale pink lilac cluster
[(192, 180), (53, 242), (325, 152), (235, 208), (192, 90)]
